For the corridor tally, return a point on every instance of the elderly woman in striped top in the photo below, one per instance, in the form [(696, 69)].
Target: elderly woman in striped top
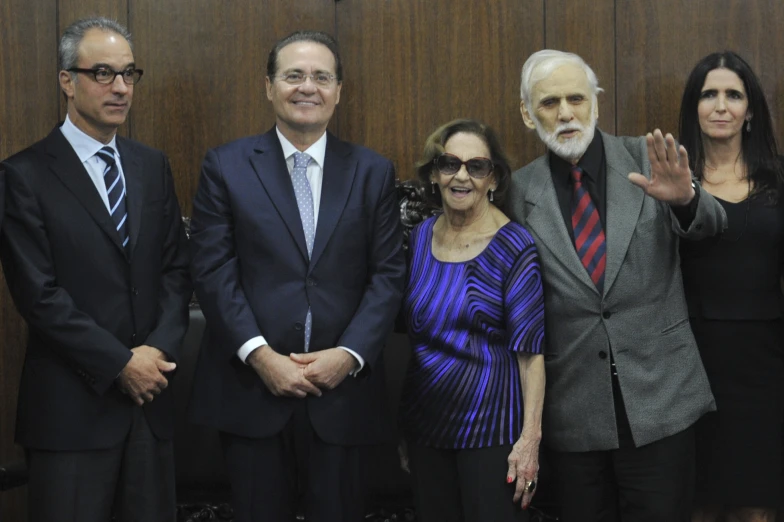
[(472, 398)]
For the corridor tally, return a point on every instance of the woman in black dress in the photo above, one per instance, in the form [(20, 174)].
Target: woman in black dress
[(732, 285)]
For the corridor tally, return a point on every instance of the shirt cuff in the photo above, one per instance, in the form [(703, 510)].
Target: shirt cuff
[(359, 359), (249, 346), (686, 214)]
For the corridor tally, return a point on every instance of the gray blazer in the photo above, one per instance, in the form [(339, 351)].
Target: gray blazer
[(641, 315)]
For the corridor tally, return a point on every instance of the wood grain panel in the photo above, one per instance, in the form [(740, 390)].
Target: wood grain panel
[(204, 65), (69, 11), (412, 66), (28, 111), (28, 73), (658, 44), (588, 29)]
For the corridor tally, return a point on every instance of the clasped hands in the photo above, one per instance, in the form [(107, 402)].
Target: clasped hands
[(670, 180), (143, 377), (301, 374)]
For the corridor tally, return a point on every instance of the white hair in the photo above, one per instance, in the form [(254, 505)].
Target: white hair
[(542, 63)]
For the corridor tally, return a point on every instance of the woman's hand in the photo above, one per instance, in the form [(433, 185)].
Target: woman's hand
[(524, 468)]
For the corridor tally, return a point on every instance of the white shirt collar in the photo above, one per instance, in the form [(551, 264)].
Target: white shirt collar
[(317, 151), (85, 146)]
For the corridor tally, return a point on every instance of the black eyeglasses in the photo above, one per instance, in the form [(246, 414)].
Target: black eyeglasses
[(450, 164), (107, 75)]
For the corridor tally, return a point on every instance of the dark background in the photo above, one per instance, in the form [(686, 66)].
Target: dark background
[(410, 65)]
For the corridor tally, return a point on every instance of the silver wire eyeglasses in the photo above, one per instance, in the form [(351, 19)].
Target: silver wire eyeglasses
[(297, 78)]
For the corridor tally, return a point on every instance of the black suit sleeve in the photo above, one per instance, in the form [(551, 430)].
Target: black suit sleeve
[(175, 291), (2, 194), (48, 308)]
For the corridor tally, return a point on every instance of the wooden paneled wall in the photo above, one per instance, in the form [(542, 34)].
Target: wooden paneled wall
[(410, 66)]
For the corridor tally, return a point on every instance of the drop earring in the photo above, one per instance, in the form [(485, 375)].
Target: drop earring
[(432, 187), (491, 194), (748, 125)]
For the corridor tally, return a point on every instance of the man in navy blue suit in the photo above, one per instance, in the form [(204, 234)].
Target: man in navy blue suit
[(299, 269)]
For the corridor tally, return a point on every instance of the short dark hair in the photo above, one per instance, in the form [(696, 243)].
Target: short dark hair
[(318, 37), (68, 51), (760, 153), (434, 147)]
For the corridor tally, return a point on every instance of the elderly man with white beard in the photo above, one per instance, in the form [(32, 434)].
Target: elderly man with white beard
[(625, 383)]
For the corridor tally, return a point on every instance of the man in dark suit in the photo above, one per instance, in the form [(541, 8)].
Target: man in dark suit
[(625, 382), (299, 268), (94, 254)]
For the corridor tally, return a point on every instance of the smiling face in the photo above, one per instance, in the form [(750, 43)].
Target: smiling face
[(460, 192), (563, 112), (97, 109), (723, 106), (305, 109)]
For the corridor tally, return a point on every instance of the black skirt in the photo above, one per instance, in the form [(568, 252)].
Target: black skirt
[(739, 446)]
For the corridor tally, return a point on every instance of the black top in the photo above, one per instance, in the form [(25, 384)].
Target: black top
[(736, 276), (594, 169)]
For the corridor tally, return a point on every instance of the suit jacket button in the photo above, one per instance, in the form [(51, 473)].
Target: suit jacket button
[(606, 314), (311, 282), (134, 291), (298, 326), (602, 354)]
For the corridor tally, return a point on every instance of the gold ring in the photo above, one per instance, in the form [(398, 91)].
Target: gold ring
[(530, 486)]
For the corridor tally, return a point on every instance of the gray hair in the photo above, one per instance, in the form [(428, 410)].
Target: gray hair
[(68, 52), (542, 63)]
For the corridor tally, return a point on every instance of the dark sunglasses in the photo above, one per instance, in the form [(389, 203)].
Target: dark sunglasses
[(449, 164)]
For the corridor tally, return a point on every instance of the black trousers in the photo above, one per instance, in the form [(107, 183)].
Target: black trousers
[(133, 481), (652, 483), (270, 477), (463, 485)]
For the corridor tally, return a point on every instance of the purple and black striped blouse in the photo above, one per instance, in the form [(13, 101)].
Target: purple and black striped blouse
[(466, 321)]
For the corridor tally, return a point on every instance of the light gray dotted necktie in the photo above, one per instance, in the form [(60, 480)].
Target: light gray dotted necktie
[(304, 195)]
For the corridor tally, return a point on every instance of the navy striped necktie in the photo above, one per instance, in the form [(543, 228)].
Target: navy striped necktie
[(115, 191), (589, 239)]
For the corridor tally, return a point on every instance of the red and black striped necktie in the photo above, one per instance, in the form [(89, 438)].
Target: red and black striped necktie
[(589, 240)]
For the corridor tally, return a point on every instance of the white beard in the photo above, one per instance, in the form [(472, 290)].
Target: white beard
[(572, 149)]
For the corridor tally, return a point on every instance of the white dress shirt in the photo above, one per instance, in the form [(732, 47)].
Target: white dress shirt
[(315, 175), (86, 149)]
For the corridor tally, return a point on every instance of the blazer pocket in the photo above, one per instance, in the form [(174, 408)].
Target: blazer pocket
[(153, 203), (683, 323), (352, 214)]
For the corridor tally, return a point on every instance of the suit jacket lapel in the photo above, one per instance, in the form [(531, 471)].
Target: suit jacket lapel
[(339, 172), (624, 203), (547, 221), (134, 191), (270, 167), (66, 166)]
